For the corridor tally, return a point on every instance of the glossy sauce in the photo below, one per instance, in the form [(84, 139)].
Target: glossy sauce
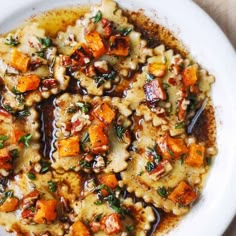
[(58, 20)]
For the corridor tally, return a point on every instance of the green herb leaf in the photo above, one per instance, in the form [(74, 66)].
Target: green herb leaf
[(31, 175), (25, 139), (71, 110), (129, 228), (45, 166), (84, 107), (52, 186), (162, 191), (154, 154), (97, 17), (15, 91), (150, 166), (199, 152), (140, 173), (120, 130), (126, 31), (102, 78), (98, 202), (150, 77), (5, 195), (98, 217), (165, 85), (12, 41), (47, 42), (85, 164), (40, 53), (8, 108), (2, 139), (180, 125), (23, 114)]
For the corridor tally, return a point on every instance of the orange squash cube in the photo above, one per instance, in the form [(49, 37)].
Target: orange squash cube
[(110, 181), (98, 138), (157, 69), (79, 229), (189, 76), (27, 83), (20, 61), (5, 159), (95, 44), (196, 155), (69, 147), (119, 45), (104, 113), (9, 205), (45, 211), (183, 194)]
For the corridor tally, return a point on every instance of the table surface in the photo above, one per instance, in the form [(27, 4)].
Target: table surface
[(224, 14)]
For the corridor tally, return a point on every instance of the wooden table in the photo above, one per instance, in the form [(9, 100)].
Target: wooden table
[(224, 14)]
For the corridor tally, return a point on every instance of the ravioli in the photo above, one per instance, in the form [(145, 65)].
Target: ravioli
[(103, 129)]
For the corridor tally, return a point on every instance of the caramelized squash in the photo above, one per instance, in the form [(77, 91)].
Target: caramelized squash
[(27, 83), (98, 137), (104, 113), (10, 204), (69, 147), (79, 229), (20, 61), (119, 45), (108, 180), (45, 211), (111, 224), (183, 194), (157, 69), (189, 76), (5, 159), (95, 44), (196, 154)]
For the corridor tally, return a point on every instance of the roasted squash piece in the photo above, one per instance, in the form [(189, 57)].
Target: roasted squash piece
[(79, 229), (119, 45), (98, 138), (172, 148), (111, 224), (195, 157), (183, 194), (20, 61), (45, 211), (189, 76), (5, 159), (95, 44), (110, 181), (27, 83), (69, 147), (157, 69), (10, 204), (104, 113), (81, 54)]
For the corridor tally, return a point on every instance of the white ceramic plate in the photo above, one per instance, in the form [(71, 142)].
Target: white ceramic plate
[(212, 50)]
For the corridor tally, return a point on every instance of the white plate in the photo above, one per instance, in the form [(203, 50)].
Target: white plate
[(212, 50)]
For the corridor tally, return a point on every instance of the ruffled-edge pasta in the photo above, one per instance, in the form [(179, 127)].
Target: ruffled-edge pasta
[(138, 220), (73, 121), (30, 68)]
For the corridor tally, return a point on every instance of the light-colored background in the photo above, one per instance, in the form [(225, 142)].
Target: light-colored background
[(224, 13)]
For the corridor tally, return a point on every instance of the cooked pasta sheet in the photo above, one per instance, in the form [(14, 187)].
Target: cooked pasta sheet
[(105, 129)]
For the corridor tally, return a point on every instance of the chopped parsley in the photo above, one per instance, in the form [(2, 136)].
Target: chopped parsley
[(84, 107), (31, 175), (25, 139), (162, 191), (12, 41), (5, 195), (154, 154), (126, 31), (85, 164), (98, 217), (8, 108), (98, 202), (129, 228), (180, 125), (120, 130), (2, 139), (71, 110), (199, 152), (102, 78), (165, 85), (150, 77), (97, 17), (23, 114), (150, 166), (45, 166), (46, 42), (52, 186)]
